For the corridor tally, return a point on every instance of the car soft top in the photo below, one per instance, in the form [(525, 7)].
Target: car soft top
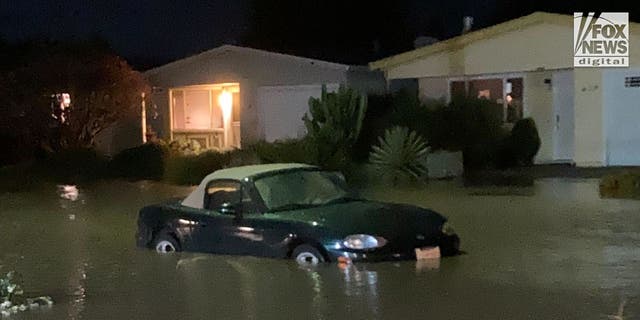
[(196, 198)]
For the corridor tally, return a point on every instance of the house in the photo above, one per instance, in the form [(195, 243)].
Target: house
[(231, 95), (586, 116)]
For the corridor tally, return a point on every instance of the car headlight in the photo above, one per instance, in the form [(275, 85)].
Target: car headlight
[(447, 228), (363, 241)]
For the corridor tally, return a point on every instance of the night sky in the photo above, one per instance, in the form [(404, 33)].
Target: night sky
[(152, 32)]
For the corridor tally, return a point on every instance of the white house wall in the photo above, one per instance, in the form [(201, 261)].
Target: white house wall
[(533, 48), (537, 50), (588, 109), (621, 117), (431, 66), (250, 68), (538, 104)]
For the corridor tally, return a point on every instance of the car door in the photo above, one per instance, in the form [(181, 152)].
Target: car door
[(228, 225)]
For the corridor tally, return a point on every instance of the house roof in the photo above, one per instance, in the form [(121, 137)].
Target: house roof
[(196, 198), (481, 34), (227, 48)]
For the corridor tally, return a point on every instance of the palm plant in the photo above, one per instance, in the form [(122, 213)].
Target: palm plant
[(401, 153)]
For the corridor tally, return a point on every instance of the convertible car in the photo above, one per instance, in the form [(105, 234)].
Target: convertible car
[(292, 211)]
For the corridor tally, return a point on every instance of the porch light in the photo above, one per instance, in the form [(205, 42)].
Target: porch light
[(65, 99), (225, 100)]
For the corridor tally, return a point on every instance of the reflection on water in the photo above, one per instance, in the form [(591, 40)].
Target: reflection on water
[(76, 283), (557, 253), (427, 265)]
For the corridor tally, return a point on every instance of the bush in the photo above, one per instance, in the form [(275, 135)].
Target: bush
[(621, 185), (72, 165), (243, 157), (522, 144), (376, 120), (184, 147), (189, 170), (401, 154), (141, 162), (410, 112), (292, 150)]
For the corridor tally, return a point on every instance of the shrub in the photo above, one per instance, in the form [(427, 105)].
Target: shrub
[(189, 170), (141, 162), (377, 119), (292, 150), (522, 144), (243, 157), (333, 125), (10, 290), (184, 147), (401, 153), (410, 112), (8, 287), (71, 165)]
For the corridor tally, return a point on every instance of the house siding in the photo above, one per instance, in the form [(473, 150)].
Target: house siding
[(538, 104), (536, 48), (253, 69)]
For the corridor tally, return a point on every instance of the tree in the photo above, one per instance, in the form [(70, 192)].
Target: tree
[(103, 88)]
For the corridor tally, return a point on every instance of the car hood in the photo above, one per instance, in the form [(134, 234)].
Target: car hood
[(369, 217)]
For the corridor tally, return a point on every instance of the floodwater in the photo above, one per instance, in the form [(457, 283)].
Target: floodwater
[(552, 251)]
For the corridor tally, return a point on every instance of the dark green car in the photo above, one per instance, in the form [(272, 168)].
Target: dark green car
[(291, 211)]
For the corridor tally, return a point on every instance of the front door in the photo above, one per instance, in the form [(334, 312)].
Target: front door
[(563, 116)]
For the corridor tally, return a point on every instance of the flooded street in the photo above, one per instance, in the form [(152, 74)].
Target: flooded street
[(552, 251)]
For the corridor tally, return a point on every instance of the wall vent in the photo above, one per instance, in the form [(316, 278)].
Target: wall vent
[(632, 82)]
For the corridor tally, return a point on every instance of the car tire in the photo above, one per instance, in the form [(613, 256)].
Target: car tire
[(307, 255), (166, 243)]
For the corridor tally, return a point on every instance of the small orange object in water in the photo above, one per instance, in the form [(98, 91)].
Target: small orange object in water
[(343, 262)]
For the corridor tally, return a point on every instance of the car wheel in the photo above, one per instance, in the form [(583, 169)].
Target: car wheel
[(166, 243), (306, 255)]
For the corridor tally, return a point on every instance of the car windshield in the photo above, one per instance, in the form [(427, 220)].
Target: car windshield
[(301, 189)]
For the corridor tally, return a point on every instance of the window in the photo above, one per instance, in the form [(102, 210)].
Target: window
[(300, 189), (505, 93), (197, 108), (223, 194)]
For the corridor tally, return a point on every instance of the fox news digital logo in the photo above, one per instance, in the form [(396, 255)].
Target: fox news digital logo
[(601, 39)]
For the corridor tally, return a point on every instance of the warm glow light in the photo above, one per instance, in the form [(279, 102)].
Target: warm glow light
[(225, 99), (64, 99)]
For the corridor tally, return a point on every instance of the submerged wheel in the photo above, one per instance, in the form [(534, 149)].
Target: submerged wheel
[(306, 255), (166, 243)]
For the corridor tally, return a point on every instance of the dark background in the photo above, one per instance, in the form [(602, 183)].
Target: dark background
[(151, 32)]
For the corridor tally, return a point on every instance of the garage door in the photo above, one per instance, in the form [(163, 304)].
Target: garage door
[(621, 97), (281, 109)]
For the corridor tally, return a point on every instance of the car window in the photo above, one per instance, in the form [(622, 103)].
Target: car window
[(299, 189), (221, 193)]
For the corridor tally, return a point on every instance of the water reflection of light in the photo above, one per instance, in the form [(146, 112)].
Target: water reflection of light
[(360, 282), (316, 281), (427, 264), (77, 284), (69, 192)]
